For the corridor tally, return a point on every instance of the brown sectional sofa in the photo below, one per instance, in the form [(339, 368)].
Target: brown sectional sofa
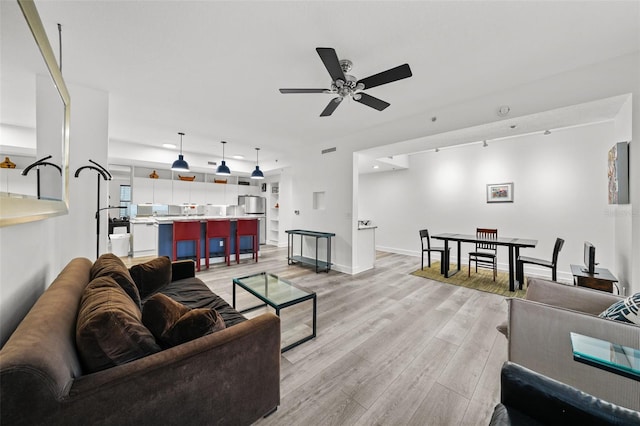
[(229, 377)]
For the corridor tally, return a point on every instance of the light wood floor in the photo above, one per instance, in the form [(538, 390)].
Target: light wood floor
[(391, 349)]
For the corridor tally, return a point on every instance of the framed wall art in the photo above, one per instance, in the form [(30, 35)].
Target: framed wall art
[(618, 174), (500, 192)]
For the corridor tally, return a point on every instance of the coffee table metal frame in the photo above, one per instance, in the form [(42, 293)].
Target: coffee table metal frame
[(277, 306)]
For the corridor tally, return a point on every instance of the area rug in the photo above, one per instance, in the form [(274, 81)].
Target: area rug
[(482, 280)]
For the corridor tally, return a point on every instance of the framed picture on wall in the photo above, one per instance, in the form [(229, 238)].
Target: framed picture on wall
[(500, 192), (618, 173)]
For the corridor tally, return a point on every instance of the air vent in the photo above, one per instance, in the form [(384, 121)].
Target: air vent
[(212, 163), (328, 150)]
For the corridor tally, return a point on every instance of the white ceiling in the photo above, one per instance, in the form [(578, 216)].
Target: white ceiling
[(212, 69)]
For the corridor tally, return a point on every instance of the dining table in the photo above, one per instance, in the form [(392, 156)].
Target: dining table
[(514, 245)]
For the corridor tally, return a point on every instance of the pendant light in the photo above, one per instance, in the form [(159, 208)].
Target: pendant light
[(257, 173), (180, 165), (223, 169)]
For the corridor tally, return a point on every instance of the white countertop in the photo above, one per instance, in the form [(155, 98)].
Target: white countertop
[(171, 219)]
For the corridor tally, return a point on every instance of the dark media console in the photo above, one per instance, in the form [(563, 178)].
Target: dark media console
[(601, 279)]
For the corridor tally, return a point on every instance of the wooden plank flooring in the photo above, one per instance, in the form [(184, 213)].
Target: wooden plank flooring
[(391, 349)]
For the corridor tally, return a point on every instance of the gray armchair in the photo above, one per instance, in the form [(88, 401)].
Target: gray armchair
[(539, 328)]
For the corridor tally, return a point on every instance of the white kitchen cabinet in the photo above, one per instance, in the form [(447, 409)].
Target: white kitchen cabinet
[(145, 239)]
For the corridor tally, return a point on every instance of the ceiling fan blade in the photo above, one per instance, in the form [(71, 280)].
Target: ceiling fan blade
[(371, 101), (331, 62), (333, 104), (384, 77), (303, 90)]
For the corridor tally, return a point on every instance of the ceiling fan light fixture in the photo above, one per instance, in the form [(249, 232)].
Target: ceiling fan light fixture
[(345, 85), (180, 165), (223, 169), (257, 173)]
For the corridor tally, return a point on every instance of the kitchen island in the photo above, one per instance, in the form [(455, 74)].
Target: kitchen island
[(153, 235)]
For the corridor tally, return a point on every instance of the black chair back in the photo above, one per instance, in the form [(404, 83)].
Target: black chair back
[(556, 250), (424, 235)]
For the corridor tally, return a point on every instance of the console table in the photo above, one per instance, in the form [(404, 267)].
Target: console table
[(319, 264), (602, 279)]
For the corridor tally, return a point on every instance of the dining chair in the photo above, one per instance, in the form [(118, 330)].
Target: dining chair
[(425, 241), (553, 263), (486, 253)]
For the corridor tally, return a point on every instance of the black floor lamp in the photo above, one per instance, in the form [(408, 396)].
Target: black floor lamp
[(104, 173), (37, 164)]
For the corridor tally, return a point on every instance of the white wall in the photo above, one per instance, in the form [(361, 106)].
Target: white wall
[(560, 190), (331, 174), (32, 254)]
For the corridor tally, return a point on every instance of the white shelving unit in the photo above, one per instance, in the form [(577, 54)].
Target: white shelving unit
[(273, 215)]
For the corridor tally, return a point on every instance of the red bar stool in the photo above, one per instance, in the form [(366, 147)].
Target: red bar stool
[(247, 228), (218, 229), (187, 231)]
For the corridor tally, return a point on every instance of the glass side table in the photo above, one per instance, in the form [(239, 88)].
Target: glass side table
[(608, 356)]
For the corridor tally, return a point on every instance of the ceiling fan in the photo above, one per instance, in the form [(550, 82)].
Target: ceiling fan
[(345, 85)]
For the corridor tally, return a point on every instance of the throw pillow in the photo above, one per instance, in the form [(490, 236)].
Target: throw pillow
[(625, 310), (173, 323), (110, 265), (151, 276), (109, 329)]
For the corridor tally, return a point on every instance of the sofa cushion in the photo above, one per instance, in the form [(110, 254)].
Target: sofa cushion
[(173, 323), (151, 276), (193, 293), (625, 310), (109, 329), (110, 265)]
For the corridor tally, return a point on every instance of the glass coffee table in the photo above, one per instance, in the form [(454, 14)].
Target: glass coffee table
[(277, 293)]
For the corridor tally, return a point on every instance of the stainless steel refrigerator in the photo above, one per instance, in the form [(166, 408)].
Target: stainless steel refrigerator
[(256, 205)]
